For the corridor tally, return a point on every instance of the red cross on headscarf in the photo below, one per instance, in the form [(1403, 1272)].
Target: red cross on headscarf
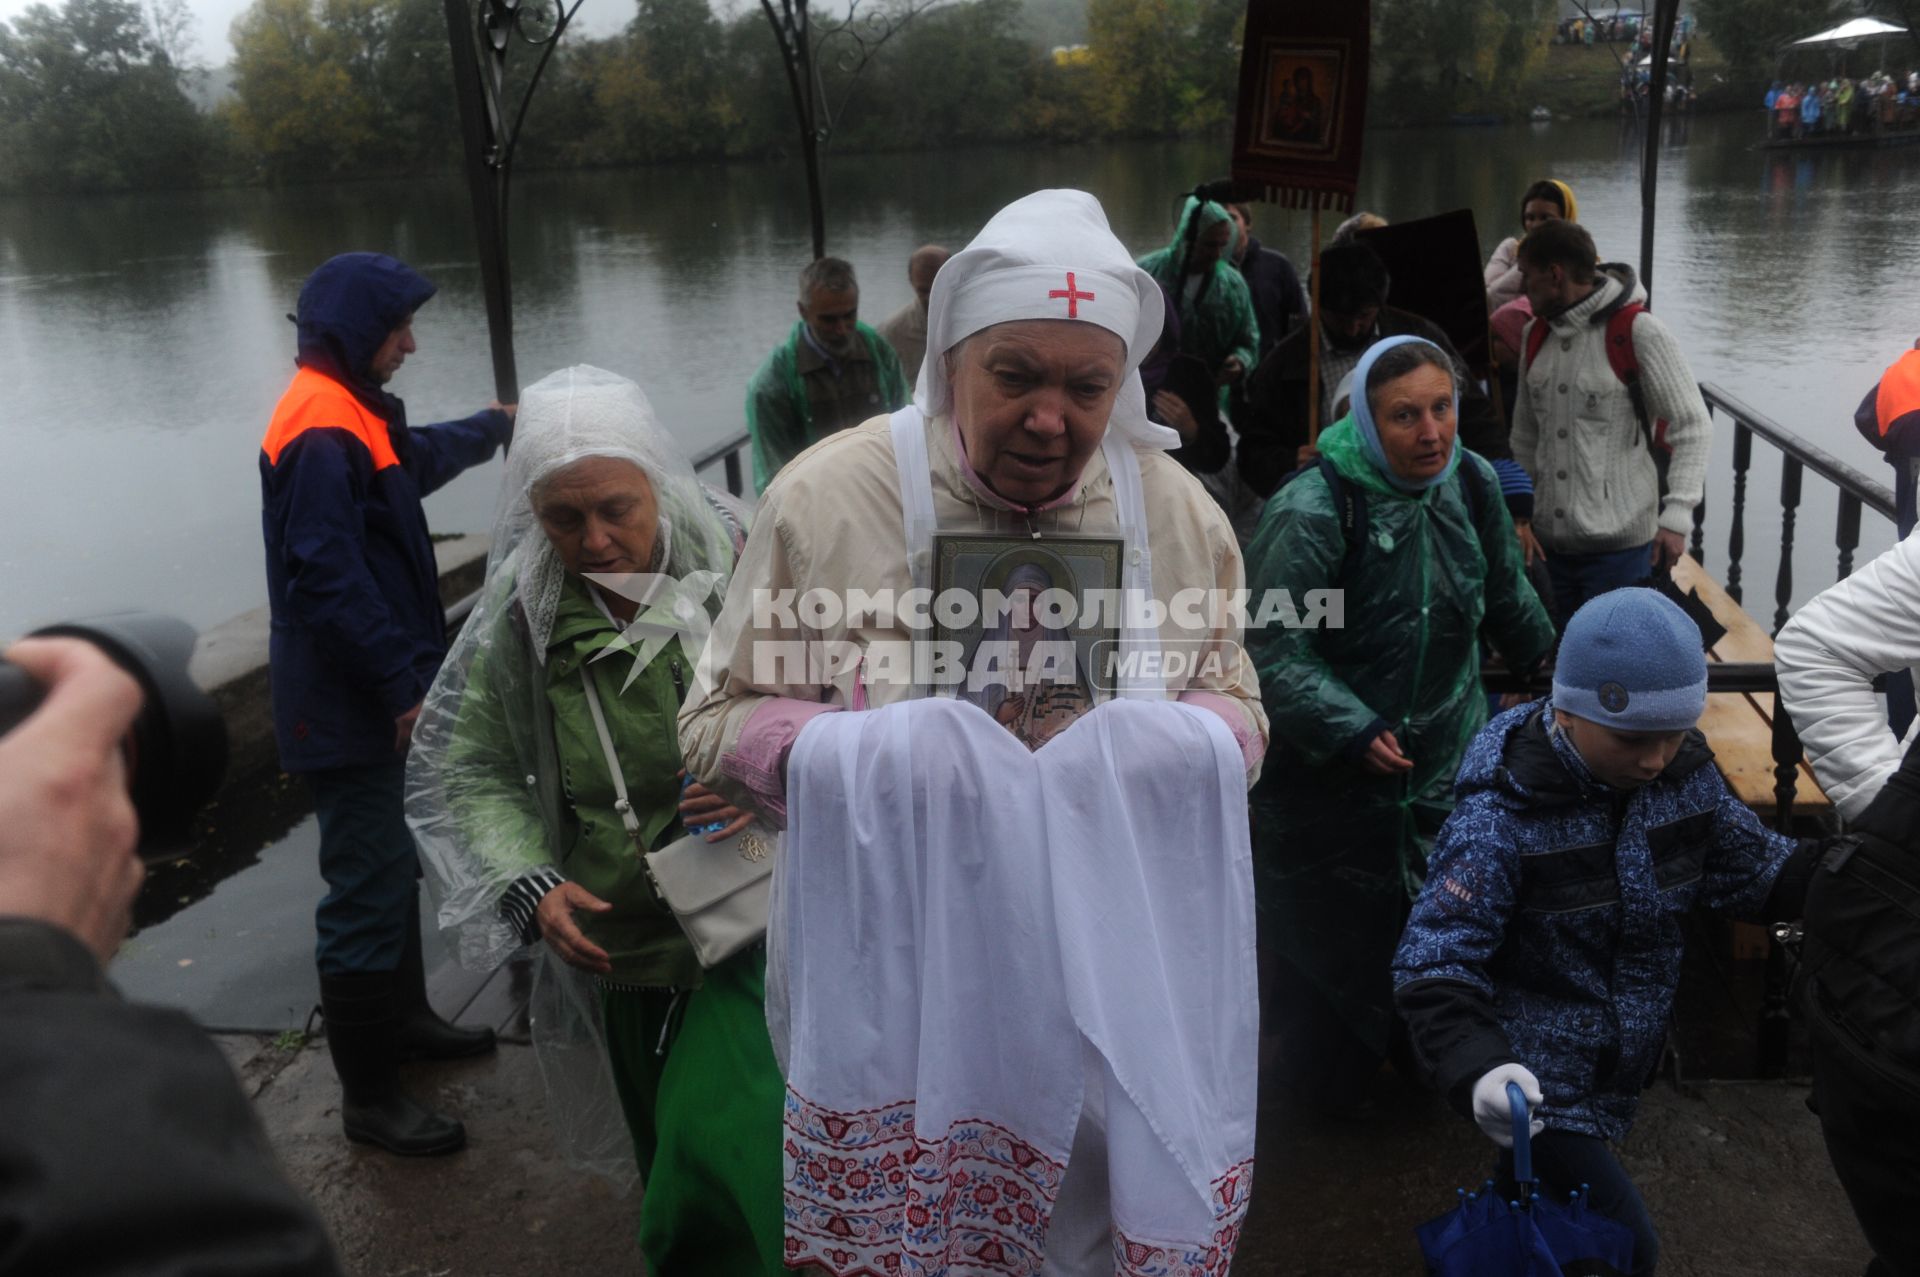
[(1073, 297)]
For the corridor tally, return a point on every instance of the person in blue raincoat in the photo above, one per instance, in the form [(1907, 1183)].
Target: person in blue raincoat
[(1217, 324), (1546, 945), (1371, 713), (357, 636)]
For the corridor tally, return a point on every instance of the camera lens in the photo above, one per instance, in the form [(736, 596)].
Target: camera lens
[(177, 747)]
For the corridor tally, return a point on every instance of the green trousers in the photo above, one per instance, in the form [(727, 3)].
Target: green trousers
[(704, 1102)]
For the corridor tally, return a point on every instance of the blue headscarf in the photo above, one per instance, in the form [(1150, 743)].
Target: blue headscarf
[(1362, 413)]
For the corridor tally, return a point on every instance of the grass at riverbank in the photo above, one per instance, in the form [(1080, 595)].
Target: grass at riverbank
[(1580, 80)]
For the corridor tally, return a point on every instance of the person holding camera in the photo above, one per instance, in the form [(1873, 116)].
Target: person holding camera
[(128, 1145), (358, 635)]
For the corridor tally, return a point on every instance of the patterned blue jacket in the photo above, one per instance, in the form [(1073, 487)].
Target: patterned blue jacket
[(1549, 928)]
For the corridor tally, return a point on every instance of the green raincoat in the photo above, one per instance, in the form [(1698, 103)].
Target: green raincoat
[(641, 938), (1339, 853), (712, 1206), (1216, 321), (779, 416)]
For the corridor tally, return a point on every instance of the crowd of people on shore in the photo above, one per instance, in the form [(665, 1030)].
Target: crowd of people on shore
[(856, 978), (1843, 107)]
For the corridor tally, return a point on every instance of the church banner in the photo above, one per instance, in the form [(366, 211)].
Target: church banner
[(1303, 102)]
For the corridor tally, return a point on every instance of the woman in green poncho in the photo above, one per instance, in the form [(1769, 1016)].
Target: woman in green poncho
[(1216, 310), (1371, 714), (606, 552)]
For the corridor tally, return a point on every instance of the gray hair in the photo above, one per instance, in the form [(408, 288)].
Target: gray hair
[(831, 273)]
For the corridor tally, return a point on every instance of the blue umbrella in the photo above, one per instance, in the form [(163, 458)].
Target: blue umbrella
[(1483, 1236)]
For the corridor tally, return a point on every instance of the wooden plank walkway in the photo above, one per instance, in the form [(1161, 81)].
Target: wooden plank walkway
[(1739, 725)]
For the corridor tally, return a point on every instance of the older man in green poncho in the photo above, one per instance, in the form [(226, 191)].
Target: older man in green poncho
[(1217, 325), (831, 372), (1371, 715)]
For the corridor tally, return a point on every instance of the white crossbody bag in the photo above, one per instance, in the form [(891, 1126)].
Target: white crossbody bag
[(718, 891)]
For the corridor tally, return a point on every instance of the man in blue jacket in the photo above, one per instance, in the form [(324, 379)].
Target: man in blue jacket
[(1545, 947), (358, 633)]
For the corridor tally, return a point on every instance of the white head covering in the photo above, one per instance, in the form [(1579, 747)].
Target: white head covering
[(1048, 255), (582, 412)]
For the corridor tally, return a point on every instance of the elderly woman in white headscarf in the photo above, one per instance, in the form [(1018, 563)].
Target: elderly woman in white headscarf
[(606, 545), (1029, 423)]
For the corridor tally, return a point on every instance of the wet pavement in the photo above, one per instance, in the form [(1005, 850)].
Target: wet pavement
[(1734, 1174)]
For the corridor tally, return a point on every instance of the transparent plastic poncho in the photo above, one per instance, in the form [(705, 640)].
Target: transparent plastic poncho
[(483, 792)]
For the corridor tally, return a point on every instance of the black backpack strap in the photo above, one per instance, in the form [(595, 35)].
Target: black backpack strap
[(1473, 488), (1350, 504)]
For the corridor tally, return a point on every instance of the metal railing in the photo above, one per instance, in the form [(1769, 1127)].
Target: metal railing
[(1856, 492), (728, 451)]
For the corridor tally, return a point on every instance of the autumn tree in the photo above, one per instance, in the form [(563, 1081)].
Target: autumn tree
[(91, 99), (1750, 32)]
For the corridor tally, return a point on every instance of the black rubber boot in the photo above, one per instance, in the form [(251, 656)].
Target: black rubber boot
[(361, 1027), (422, 1034)]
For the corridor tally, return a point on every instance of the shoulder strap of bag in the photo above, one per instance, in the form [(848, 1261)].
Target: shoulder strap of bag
[(1536, 338), (1350, 504), (620, 803), (1624, 360)]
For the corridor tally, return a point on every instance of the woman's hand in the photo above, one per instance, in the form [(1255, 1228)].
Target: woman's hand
[(555, 916), (701, 806), (1529, 544), (1173, 411), (1231, 370), (1383, 756)]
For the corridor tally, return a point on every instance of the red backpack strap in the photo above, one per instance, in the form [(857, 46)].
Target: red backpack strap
[(1625, 362), (1536, 338), (1621, 356)]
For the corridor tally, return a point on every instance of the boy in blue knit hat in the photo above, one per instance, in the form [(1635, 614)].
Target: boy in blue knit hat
[(1545, 946)]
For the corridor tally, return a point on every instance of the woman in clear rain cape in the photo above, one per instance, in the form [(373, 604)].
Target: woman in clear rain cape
[(511, 800)]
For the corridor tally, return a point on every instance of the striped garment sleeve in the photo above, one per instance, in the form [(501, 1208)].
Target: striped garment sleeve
[(1516, 487), (523, 897)]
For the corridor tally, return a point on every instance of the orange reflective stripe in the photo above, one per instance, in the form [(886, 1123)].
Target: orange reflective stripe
[(316, 401), (1899, 391)]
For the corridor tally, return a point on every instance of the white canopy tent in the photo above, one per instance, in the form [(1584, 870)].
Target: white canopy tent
[(1849, 33)]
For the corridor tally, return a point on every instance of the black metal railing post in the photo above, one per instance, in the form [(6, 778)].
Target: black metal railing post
[(1846, 533), (728, 452), (1737, 529), (1790, 470)]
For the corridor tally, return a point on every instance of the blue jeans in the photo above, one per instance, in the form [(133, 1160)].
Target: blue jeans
[(1579, 577), (368, 860), (1564, 1161)]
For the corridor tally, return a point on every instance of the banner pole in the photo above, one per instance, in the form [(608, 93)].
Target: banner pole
[(1314, 338)]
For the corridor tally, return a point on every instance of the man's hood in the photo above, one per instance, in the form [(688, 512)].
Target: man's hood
[(347, 310), (1616, 285)]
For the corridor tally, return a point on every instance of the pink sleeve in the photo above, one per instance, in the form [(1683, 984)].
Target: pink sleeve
[(1252, 746), (759, 757)]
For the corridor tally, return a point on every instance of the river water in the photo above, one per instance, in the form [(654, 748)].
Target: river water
[(143, 340)]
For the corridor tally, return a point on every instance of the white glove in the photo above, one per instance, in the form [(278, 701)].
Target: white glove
[(1490, 1107)]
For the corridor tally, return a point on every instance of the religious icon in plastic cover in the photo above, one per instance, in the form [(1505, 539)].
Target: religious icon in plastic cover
[(1029, 652)]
